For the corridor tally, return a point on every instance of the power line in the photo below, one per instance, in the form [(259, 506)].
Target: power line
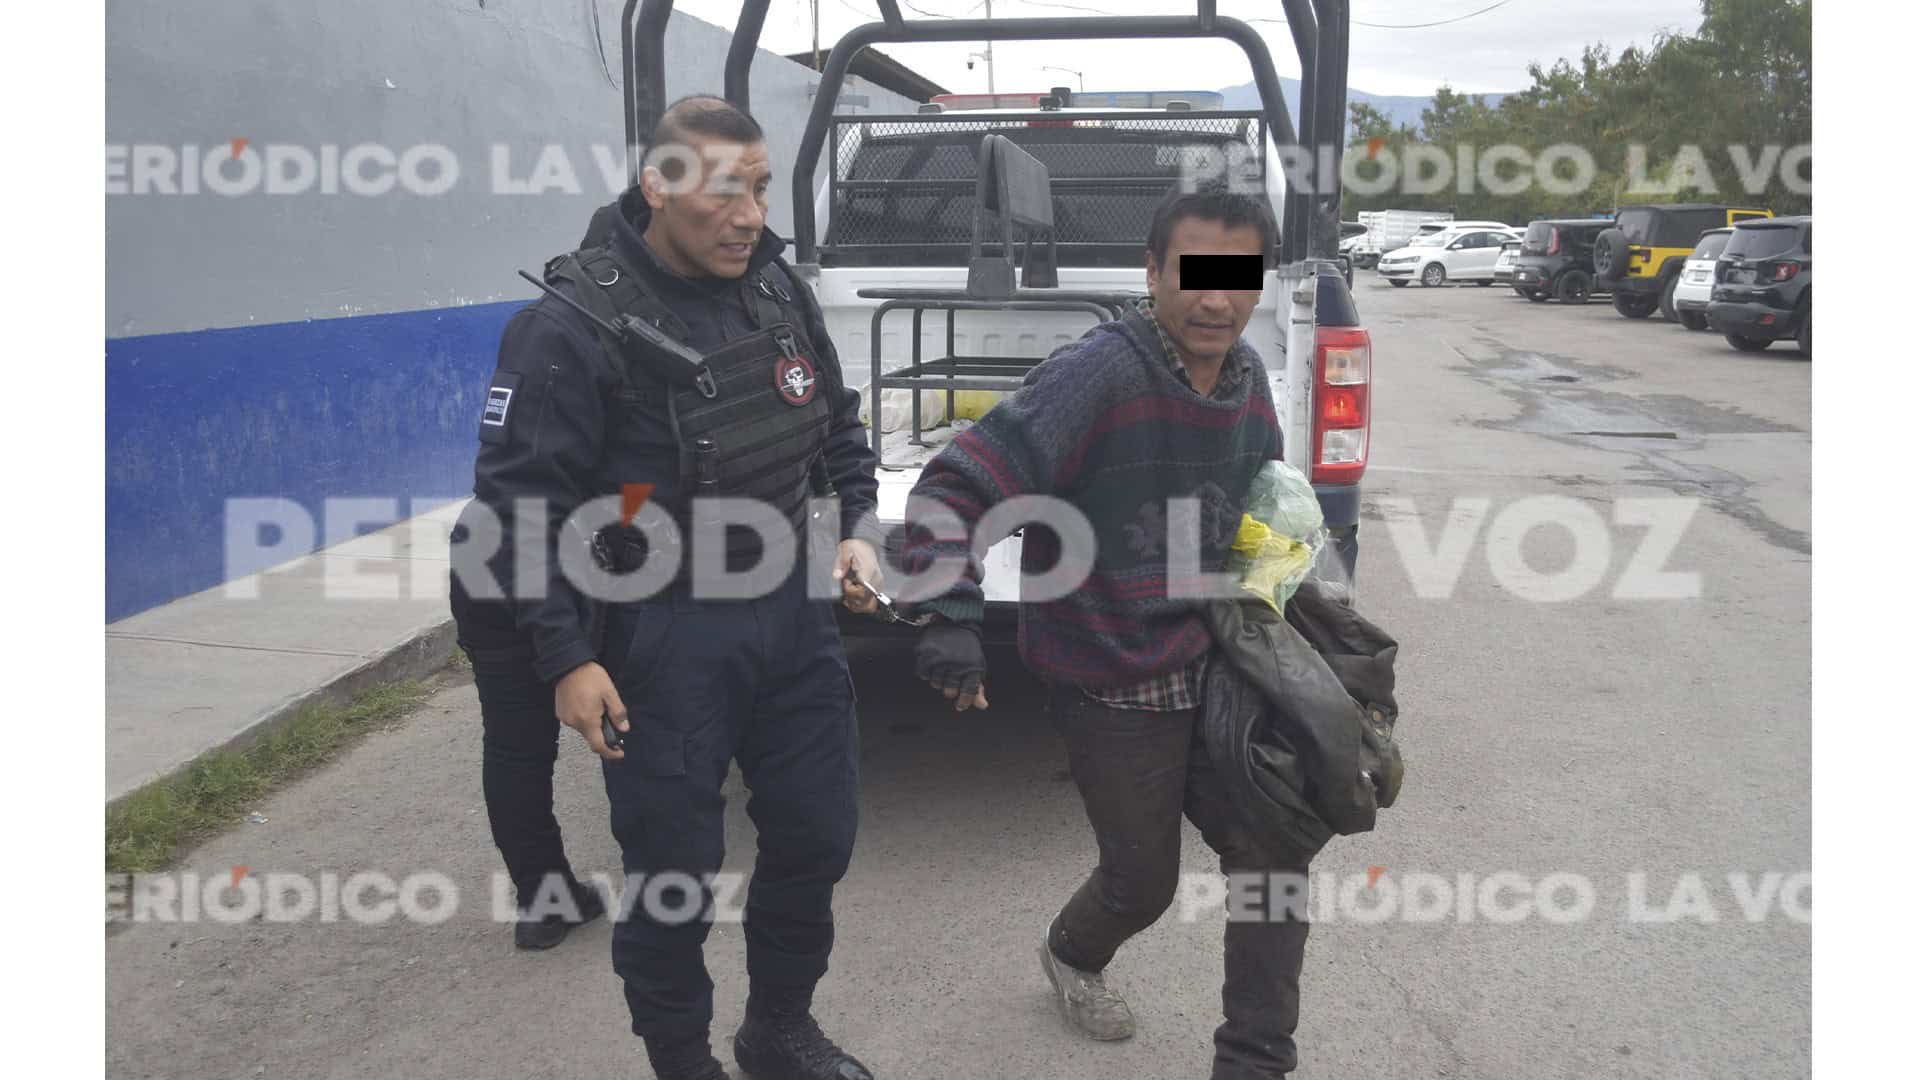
[(1069, 7), (908, 4), (600, 44), (1278, 22), (863, 14), (1438, 22)]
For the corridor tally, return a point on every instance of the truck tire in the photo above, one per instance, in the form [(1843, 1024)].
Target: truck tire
[(1573, 287), (1748, 344), (1534, 295), (1666, 299), (1693, 320), (1398, 283), (1433, 276), (1610, 255), (1635, 305)]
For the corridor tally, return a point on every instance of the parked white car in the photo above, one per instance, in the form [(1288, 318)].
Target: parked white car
[(1503, 267), (1695, 288), (1464, 251)]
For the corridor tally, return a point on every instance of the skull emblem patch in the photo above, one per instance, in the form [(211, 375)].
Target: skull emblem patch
[(794, 378)]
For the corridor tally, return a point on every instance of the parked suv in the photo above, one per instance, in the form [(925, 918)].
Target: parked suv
[(1763, 285), (1641, 256), (1695, 291), (1556, 259)]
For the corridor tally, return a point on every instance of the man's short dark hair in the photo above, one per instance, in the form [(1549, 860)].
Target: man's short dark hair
[(702, 114), (1211, 202)]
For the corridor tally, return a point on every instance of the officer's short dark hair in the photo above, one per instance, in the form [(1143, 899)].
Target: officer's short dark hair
[(1211, 201), (702, 114)]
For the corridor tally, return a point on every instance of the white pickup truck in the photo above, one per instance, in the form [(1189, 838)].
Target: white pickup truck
[(897, 212)]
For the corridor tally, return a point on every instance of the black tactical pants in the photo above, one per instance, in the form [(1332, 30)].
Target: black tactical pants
[(763, 682), (520, 741)]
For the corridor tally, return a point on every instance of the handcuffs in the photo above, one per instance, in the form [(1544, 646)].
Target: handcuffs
[(886, 611)]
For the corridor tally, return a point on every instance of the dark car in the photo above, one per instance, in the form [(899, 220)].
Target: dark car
[(1763, 285), (1556, 259)]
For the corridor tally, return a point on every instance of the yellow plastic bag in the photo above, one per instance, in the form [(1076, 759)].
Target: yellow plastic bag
[(973, 404), (1271, 564)]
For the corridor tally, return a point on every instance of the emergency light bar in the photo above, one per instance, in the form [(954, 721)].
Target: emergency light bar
[(1123, 99)]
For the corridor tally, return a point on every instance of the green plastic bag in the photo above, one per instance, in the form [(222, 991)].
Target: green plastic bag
[(1280, 534)]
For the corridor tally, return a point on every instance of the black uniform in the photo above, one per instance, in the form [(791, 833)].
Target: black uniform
[(763, 681)]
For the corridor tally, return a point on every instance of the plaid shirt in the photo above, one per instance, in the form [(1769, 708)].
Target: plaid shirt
[(1180, 688)]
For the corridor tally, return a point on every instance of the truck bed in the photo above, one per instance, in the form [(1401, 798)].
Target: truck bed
[(849, 319)]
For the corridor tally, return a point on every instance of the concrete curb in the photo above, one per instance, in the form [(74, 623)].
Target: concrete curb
[(421, 653)]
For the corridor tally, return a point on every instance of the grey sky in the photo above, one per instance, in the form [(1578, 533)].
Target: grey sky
[(1489, 52)]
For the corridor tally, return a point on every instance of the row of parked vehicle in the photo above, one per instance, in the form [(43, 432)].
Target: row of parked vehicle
[(1739, 271)]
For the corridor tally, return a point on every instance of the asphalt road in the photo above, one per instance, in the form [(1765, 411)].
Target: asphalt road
[(1565, 712)]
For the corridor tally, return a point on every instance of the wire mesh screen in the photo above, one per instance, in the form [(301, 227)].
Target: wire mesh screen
[(903, 191)]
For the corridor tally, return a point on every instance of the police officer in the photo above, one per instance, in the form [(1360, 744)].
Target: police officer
[(687, 682)]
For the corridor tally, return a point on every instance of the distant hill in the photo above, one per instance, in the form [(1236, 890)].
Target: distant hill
[(1402, 109)]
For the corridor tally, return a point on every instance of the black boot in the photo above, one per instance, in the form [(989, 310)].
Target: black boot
[(551, 929), (780, 1041), (685, 1058)]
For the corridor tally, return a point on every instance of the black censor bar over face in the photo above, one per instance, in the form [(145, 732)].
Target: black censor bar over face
[(1220, 272)]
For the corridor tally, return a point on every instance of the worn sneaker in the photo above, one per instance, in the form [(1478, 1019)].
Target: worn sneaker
[(1085, 999)]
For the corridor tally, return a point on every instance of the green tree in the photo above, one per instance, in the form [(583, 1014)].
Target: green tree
[(1736, 92)]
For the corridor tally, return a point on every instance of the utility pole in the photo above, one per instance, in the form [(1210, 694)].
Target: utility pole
[(816, 35), (990, 89)]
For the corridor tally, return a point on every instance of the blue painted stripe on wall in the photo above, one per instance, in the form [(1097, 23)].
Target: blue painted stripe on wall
[(381, 406)]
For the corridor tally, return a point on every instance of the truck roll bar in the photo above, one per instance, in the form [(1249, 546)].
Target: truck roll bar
[(746, 41), (1330, 74), (1310, 219), (1093, 26)]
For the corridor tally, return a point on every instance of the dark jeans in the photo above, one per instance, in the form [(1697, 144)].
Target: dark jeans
[(519, 742), (763, 682), (1138, 771)]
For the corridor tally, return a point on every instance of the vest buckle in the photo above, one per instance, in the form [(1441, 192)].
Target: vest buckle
[(771, 291)]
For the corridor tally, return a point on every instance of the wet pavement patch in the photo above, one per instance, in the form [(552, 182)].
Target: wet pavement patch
[(1587, 415)]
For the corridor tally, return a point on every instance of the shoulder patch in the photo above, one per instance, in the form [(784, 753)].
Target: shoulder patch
[(496, 412)]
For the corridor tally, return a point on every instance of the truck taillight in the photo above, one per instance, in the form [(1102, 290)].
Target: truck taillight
[(1786, 271), (1343, 376)]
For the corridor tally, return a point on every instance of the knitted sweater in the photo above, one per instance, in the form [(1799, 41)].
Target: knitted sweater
[(1106, 425)]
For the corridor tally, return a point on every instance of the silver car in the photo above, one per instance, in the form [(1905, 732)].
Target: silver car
[(1503, 266), (1695, 288)]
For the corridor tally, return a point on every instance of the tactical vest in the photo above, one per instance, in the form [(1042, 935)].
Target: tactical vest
[(765, 409)]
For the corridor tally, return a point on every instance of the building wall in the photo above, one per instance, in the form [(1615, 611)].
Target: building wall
[(320, 343)]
